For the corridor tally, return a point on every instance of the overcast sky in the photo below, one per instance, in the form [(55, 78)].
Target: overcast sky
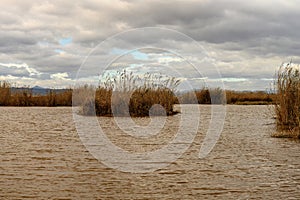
[(45, 42)]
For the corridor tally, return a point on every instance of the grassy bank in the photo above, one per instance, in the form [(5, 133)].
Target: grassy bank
[(287, 105)]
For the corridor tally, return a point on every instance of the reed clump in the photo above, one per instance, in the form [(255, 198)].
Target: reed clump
[(204, 96), (5, 93), (250, 97), (287, 107), (10, 96), (126, 94), (220, 96)]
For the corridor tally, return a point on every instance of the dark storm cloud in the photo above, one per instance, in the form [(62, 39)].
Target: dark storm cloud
[(246, 39)]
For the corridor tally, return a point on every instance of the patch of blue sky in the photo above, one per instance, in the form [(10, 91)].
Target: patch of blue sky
[(136, 54), (59, 51), (65, 41), (139, 55), (117, 51)]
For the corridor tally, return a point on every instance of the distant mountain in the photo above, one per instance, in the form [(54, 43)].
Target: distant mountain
[(37, 90)]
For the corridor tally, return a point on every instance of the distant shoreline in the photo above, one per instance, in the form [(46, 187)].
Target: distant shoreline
[(45, 97)]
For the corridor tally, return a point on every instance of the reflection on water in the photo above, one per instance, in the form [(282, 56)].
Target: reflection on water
[(42, 157)]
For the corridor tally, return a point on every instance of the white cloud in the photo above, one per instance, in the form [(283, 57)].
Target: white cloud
[(30, 70), (247, 40), (168, 59), (62, 76)]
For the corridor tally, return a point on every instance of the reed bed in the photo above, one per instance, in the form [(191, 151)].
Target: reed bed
[(250, 97), (287, 107), (156, 86), (204, 96), (126, 94), (219, 96), (25, 97)]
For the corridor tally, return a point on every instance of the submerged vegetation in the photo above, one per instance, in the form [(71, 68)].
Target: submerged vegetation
[(287, 106)]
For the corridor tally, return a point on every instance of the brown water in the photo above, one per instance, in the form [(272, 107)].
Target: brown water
[(42, 157)]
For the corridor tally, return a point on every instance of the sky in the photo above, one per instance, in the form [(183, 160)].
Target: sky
[(235, 44)]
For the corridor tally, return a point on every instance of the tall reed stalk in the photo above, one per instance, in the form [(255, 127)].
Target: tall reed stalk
[(287, 105), (127, 94), (5, 93)]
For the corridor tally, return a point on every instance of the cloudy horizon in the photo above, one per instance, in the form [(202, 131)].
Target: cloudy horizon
[(44, 43)]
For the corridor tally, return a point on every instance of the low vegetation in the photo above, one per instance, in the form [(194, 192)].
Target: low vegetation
[(25, 97), (250, 97), (126, 94), (287, 107), (218, 96), (204, 96), (135, 95)]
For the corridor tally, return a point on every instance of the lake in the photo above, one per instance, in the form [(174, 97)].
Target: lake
[(43, 157)]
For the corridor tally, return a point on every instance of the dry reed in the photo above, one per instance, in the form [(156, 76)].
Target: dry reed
[(287, 107), (25, 97), (127, 94)]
